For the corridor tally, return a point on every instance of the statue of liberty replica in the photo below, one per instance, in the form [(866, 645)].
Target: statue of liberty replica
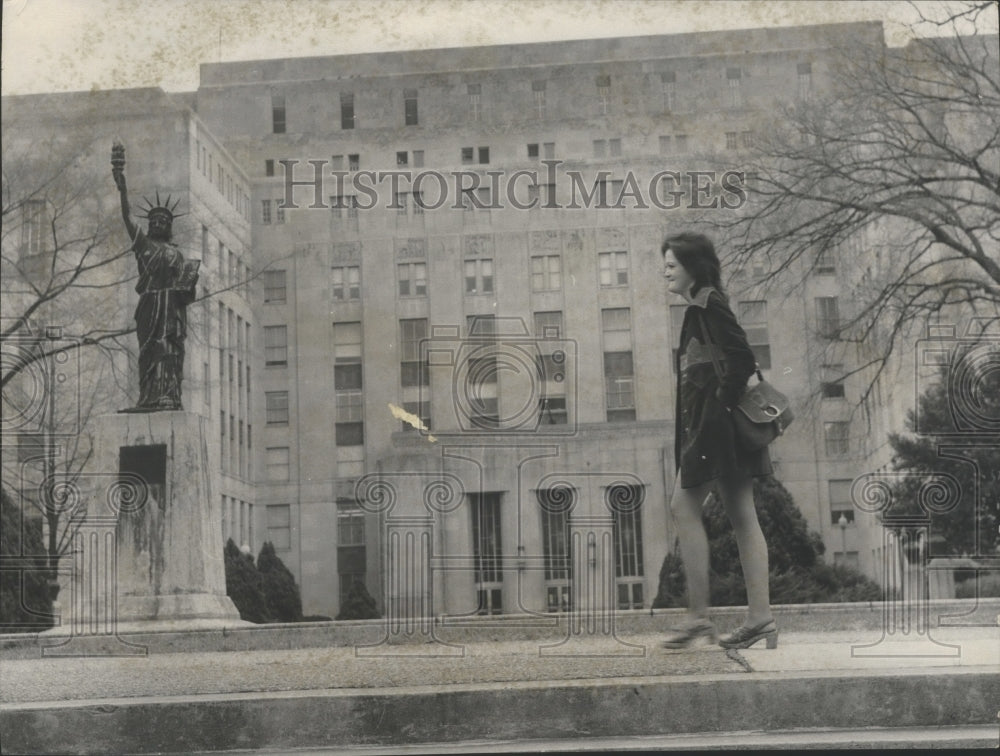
[(150, 547), (166, 286)]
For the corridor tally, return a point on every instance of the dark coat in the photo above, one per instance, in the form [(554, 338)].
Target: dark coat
[(704, 443)]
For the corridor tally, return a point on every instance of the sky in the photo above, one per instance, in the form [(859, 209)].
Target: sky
[(69, 45)]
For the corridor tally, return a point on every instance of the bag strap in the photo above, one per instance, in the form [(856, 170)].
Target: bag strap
[(710, 344), (711, 350)]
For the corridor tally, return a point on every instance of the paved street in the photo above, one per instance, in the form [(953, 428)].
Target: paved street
[(634, 656)]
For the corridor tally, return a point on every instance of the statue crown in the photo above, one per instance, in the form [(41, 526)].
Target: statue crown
[(162, 208)]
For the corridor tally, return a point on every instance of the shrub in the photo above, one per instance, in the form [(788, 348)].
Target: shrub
[(359, 604), (987, 586), (798, 575), (284, 602), (244, 585), (25, 601)]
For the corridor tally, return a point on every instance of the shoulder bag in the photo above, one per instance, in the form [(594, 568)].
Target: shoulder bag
[(762, 413)]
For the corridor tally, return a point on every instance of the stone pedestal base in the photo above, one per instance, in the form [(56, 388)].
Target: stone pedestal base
[(151, 548)]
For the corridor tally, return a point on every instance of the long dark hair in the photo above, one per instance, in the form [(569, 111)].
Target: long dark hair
[(696, 253)]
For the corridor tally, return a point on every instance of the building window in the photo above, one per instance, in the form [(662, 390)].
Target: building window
[(265, 212), (33, 222), (600, 148), (269, 167), (804, 88), (413, 368), (680, 144), (846, 559), (274, 286), (401, 202), (278, 114), (826, 262), (410, 107), (613, 269), (345, 207), (552, 368), (828, 317), (279, 526), (277, 463), (346, 283), (487, 550), (482, 372), (615, 147), (279, 212), (347, 380), (668, 80), (546, 273), (402, 159), (538, 92), (475, 102), (836, 436), (548, 149), (732, 140), (276, 403), (832, 381), (418, 160), (603, 94), (555, 505), (354, 162), (735, 78), (619, 374), (625, 503), (747, 140), (469, 155), (664, 145), (478, 276), (346, 110), (840, 501), (414, 374), (351, 550), (753, 318), (412, 279), (275, 346)]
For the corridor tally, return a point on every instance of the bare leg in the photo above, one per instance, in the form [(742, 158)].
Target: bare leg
[(686, 504), (737, 498)]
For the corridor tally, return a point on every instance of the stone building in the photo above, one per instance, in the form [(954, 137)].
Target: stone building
[(361, 270)]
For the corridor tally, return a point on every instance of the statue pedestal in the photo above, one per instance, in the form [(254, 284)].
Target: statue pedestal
[(151, 550)]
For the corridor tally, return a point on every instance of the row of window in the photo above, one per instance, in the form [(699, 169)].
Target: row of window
[(234, 272), (554, 513), (618, 369), (227, 184), (602, 148), (237, 521), (668, 81), (235, 392)]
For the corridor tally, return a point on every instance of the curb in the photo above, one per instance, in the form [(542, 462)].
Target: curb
[(575, 709)]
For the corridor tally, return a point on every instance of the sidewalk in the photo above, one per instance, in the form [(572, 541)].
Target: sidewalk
[(601, 687)]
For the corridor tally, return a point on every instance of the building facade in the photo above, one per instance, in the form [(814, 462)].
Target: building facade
[(440, 296)]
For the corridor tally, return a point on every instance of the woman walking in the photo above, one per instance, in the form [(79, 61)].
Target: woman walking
[(707, 456)]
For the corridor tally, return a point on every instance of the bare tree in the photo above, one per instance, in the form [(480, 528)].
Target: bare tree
[(892, 171)]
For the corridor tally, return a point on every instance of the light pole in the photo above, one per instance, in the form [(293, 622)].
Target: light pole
[(843, 536)]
